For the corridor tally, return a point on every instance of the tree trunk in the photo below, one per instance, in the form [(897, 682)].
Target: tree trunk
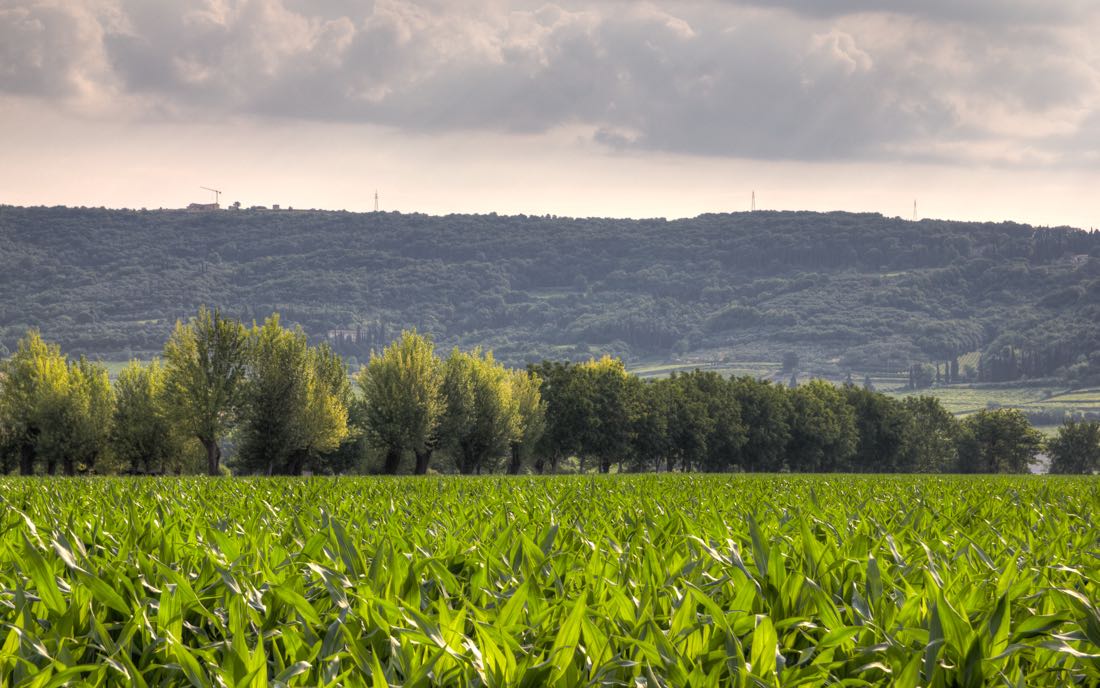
[(467, 463), (540, 465), (393, 460), (51, 467), (213, 456), (514, 466), (69, 466), (26, 459), (554, 463), (423, 459)]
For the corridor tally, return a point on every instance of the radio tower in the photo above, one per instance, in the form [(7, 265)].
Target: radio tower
[(376, 200), (754, 201), (914, 210)]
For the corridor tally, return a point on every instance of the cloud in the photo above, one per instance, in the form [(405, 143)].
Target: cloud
[(791, 79), (987, 12)]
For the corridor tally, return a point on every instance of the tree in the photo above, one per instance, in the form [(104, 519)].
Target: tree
[(881, 430), (823, 429), (206, 361), (998, 441), (650, 445), (33, 380), (566, 391), (481, 416), (766, 414), (931, 436), (295, 401), (606, 432), (530, 416), (55, 412), (82, 437), (1076, 448), (403, 400), (143, 436)]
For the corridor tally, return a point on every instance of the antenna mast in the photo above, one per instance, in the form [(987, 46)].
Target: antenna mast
[(376, 200), (914, 210), (754, 201)]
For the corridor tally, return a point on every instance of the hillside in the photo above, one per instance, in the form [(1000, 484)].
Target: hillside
[(862, 291)]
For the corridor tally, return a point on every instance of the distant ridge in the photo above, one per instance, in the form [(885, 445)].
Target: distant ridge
[(856, 289)]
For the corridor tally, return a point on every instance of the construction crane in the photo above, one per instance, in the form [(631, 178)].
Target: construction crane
[(217, 195)]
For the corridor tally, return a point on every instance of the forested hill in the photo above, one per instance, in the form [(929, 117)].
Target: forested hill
[(860, 289)]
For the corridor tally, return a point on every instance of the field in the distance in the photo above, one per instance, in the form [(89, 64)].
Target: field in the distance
[(644, 580)]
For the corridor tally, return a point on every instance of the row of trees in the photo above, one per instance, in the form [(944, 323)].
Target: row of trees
[(286, 406), (700, 421)]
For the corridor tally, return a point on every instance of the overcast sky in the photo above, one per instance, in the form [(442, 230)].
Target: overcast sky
[(983, 109)]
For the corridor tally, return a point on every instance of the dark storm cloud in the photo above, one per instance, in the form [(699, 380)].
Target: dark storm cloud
[(836, 79)]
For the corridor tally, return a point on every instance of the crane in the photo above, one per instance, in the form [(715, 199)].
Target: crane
[(217, 195)]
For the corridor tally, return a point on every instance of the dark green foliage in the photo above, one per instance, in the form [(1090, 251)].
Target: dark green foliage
[(998, 441), (883, 293), (1076, 448)]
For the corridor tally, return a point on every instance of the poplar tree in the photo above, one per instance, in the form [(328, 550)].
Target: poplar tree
[(206, 361), (143, 436), (403, 401)]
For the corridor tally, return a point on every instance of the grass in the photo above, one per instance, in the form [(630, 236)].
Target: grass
[(613, 580)]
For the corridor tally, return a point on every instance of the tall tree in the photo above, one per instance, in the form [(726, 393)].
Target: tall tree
[(56, 412), (32, 387), (606, 435), (84, 436), (881, 429), (143, 436), (998, 441), (530, 417), (295, 401), (650, 443), (403, 400), (567, 394), (931, 436), (206, 361), (823, 429), (481, 415), (766, 413), (1076, 448)]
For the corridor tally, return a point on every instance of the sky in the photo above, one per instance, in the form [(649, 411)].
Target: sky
[(983, 110)]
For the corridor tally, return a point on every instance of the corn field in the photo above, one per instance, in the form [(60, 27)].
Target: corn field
[(667, 580)]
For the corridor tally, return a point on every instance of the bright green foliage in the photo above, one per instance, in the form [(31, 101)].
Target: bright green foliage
[(1076, 448), (53, 412), (632, 580), (143, 437), (530, 416), (481, 416), (79, 438), (295, 402), (403, 400), (999, 441), (206, 360)]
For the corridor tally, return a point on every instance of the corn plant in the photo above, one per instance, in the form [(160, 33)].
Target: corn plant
[(667, 580)]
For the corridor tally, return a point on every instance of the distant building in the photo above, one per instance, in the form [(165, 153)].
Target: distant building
[(203, 206), (275, 206), (350, 335)]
